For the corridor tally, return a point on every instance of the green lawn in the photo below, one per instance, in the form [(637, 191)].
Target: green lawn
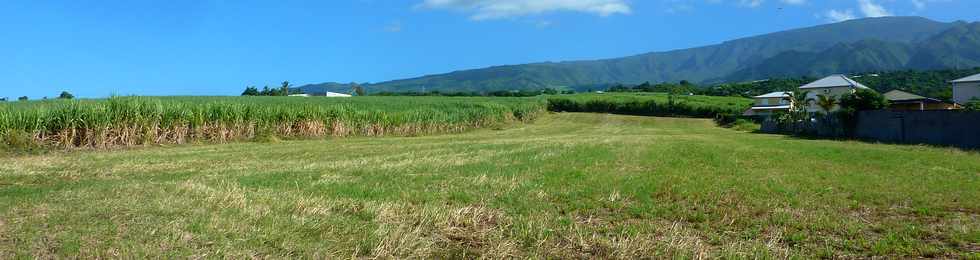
[(566, 186)]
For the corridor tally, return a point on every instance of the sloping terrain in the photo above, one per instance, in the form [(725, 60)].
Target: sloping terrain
[(566, 186)]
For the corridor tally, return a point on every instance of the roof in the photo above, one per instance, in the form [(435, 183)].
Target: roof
[(771, 107), (335, 94), (834, 81), (777, 94), (899, 96), (974, 78)]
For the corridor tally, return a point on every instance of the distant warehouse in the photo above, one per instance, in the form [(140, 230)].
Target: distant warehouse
[(966, 89)]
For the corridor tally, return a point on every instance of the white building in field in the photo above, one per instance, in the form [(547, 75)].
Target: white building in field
[(335, 94), (966, 89), (832, 86)]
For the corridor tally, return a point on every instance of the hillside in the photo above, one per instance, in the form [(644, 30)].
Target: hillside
[(872, 44)]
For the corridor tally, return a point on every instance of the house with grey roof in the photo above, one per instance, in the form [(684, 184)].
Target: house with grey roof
[(899, 100), (834, 86), (966, 89), (767, 104)]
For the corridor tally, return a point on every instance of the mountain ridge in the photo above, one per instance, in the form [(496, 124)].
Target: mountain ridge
[(871, 44)]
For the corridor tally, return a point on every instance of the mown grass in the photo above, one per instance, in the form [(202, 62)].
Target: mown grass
[(133, 121), (566, 186)]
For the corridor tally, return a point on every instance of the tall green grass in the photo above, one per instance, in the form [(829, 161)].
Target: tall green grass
[(130, 121), (650, 104)]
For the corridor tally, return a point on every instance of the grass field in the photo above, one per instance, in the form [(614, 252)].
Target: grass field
[(565, 186)]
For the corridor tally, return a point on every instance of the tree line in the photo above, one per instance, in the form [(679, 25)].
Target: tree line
[(63, 95), (283, 90), (498, 93)]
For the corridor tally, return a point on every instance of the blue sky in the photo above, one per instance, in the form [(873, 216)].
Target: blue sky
[(200, 47)]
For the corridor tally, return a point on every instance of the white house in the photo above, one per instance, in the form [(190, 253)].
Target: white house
[(966, 89), (833, 86), (335, 94), (766, 104)]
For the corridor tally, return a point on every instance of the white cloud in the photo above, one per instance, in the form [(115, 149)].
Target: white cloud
[(839, 16), (496, 9), (751, 3), (871, 9), (793, 2), (919, 4)]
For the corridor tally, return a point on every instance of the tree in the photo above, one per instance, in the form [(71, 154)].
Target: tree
[(251, 91), (24, 98), (357, 90), (65, 95), (285, 88), (826, 102), (863, 99)]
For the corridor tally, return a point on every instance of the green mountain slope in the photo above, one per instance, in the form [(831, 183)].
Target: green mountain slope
[(956, 47), (873, 44)]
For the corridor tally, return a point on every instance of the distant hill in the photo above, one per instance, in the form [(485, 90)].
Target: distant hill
[(872, 44)]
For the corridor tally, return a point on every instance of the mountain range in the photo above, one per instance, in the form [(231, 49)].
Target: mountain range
[(855, 46)]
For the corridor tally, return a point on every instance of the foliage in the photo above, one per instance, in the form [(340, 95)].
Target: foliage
[(358, 90), (973, 105), (502, 93), (852, 103), (251, 91), (285, 88), (826, 102), (65, 95), (23, 98), (682, 88), (657, 104), (266, 91), (862, 100), (129, 121)]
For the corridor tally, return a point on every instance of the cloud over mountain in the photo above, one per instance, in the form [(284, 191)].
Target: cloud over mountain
[(497, 9)]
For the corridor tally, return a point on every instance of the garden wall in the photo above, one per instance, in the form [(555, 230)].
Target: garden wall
[(939, 127)]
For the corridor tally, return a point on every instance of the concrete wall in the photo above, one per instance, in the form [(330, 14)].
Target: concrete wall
[(963, 92), (941, 127)]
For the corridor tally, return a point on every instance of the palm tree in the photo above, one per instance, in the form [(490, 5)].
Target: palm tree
[(798, 100), (826, 102), (285, 88)]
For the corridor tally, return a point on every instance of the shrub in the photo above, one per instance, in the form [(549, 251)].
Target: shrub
[(860, 100), (973, 105), (650, 105), (725, 119)]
